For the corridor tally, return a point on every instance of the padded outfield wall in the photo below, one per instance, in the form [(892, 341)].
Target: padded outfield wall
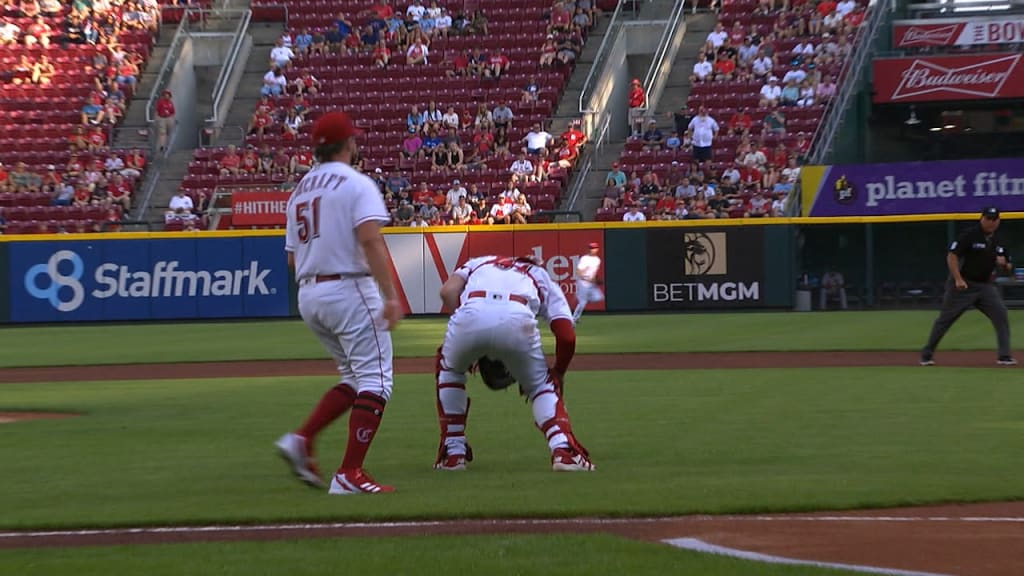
[(739, 264)]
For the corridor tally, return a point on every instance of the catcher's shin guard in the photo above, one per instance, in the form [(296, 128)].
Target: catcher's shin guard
[(453, 426), (560, 424)]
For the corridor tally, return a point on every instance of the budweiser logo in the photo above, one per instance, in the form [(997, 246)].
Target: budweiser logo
[(982, 79), (939, 36)]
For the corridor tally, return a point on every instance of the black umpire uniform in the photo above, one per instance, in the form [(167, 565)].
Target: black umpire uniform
[(972, 258)]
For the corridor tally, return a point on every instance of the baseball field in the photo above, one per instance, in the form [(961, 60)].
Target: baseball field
[(726, 444)]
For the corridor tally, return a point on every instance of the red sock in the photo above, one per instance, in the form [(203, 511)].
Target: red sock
[(332, 404), (362, 426)]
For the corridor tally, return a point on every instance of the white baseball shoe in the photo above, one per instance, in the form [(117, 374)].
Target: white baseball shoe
[(569, 460), (356, 481), (292, 449)]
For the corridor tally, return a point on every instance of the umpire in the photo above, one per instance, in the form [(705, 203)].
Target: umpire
[(972, 258)]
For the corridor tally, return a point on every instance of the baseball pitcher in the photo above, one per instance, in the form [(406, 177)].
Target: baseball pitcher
[(347, 299), (496, 302), (587, 284)]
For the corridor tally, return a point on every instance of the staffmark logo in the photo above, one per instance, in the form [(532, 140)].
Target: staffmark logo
[(704, 254), (164, 280)]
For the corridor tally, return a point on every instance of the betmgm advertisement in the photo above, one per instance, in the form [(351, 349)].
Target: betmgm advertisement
[(147, 279), (698, 268)]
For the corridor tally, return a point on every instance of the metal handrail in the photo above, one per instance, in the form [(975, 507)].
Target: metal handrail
[(161, 78), (153, 180), (821, 142), (577, 187), (610, 33), (663, 47), (225, 71)]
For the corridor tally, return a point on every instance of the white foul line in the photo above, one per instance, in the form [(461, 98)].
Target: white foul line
[(696, 545)]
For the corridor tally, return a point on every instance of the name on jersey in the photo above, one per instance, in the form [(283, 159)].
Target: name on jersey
[(319, 181), (706, 291), (984, 184)]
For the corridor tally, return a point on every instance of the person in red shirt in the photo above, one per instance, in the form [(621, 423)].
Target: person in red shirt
[(459, 66), (854, 19), (79, 140), (724, 68), (382, 55), (230, 163), (749, 175), (302, 162), (82, 195), (97, 139), (164, 119), (134, 164), (120, 192), (573, 136), (250, 162), (825, 7), (497, 64), (306, 83), (637, 99), (74, 166), (560, 19), (259, 122), (737, 34), (803, 145), (740, 122), (419, 197)]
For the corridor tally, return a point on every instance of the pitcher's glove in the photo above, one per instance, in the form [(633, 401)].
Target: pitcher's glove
[(494, 373)]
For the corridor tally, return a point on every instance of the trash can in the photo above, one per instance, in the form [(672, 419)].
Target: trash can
[(802, 301)]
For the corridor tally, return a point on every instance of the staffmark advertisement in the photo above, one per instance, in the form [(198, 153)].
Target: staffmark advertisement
[(148, 279), (705, 268)]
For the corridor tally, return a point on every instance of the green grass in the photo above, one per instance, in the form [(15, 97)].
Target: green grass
[(289, 339), (664, 443), (593, 555)]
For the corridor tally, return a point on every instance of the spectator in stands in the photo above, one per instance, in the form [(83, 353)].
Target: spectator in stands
[(319, 45), (548, 51), (771, 93), (381, 55), (502, 144), (412, 146), (569, 48), (440, 158), (180, 204), (260, 120), (702, 69), (725, 68), (306, 83), (774, 123), (521, 210), (250, 161), (82, 195), (9, 32), (747, 51), (502, 116), (483, 119), (230, 163), (498, 214), (113, 110), (443, 23), (634, 215), (119, 192), (762, 65), (280, 55), (38, 32), (97, 139), (461, 212), (797, 74), (414, 120), (404, 214), (431, 142), (42, 71), (274, 82), (417, 53), (432, 118), (790, 94), (637, 101), (718, 36), (92, 110), (806, 94), (616, 177), (537, 141), (497, 65), (825, 90), (522, 167), (652, 136), (265, 165), (478, 24), (302, 41), (292, 125), (703, 129), (164, 119), (450, 119), (531, 91), (740, 122)]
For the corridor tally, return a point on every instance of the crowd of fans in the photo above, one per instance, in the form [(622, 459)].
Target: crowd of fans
[(51, 39), (791, 64)]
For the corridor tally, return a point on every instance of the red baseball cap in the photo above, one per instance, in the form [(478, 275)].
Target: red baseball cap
[(593, 245), (334, 127)]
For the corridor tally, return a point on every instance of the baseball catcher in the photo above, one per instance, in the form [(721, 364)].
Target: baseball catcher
[(496, 302)]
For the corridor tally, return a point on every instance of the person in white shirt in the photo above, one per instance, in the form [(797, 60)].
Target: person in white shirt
[(703, 130), (443, 23), (416, 10), (113, 163), (845, 7), (418, 222), (718, 36), (417, 53), (450, 119), (281, 55), (499, 214), (797, 75), (587, 283), (832, 20), (805, 48), (9, 32), (433, 11), (346, 297), (274, 83), (462, 212), (761, 66), (522, 167), (180, 202), (701, 69), (454, 193), (634, 215), (537, 141), (771, 92)]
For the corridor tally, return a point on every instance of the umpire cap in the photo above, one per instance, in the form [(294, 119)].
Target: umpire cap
[(991, 212)]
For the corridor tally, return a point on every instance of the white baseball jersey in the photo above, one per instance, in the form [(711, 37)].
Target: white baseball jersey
[(324, 210), (588, 267), (503, 275)]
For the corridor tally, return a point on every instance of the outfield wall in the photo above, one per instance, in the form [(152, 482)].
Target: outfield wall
[(737, 264)]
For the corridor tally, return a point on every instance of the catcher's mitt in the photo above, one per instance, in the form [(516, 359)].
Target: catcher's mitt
[(494, 373)]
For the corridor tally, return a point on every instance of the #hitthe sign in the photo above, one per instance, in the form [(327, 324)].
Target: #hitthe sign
[(704, 268)]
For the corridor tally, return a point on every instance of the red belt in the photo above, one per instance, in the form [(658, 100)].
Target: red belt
[(511, 297), (332, 277)]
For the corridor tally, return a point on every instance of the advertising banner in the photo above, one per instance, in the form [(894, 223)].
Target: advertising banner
[(945, 78), (1007, 29), (5, 298), (704, 268), (259, 208), (423, 262), (961, 186), (147, 279)]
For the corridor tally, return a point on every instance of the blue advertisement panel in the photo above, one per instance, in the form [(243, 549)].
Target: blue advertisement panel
[(75, 281)]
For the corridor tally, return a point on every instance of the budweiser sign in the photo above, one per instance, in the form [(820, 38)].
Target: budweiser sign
[(958, 32), (939, 78)]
